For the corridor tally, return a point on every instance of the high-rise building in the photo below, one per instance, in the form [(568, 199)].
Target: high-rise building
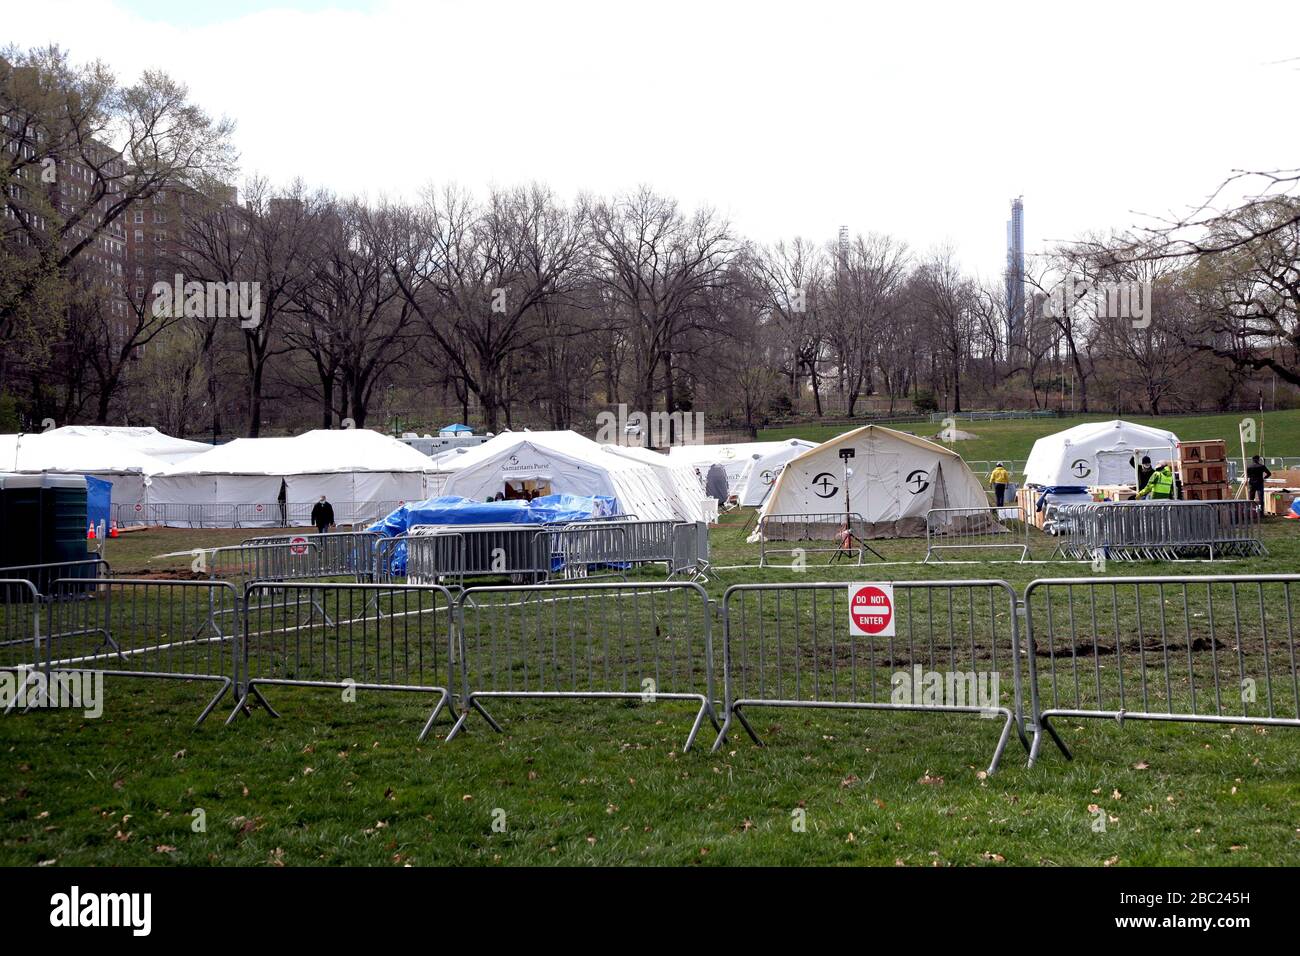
[(1015, 275)]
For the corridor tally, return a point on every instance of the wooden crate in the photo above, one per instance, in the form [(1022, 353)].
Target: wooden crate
[(1215, 449), (1203, 473), (1278, 502), (1213, 492)]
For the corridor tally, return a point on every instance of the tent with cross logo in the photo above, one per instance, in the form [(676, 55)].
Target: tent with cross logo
[(1097, 453), (885, 479), (760, 472)]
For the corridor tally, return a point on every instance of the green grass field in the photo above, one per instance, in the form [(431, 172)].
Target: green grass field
[(1012, 439), (605, 782)]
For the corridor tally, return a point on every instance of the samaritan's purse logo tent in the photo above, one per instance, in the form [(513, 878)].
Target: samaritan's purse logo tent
[(893, 479)]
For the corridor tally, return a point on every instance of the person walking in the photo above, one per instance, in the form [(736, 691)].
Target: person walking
[(999, 478), (1160, 486), (322, 515), (1256, 473)]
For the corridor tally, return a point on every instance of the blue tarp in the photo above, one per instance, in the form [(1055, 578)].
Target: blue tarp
[(454, 510), (455, 429), (99, 502)]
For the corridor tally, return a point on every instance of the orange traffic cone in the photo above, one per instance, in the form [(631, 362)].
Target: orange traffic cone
[(90, 532), (112, 531)]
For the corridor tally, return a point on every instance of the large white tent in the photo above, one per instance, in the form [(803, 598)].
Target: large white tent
[(760, 472), (678, 479), (733, 458), (147, 440), (1097, 453), (360, 471), (60, 451), (894, 479), (560, 462)]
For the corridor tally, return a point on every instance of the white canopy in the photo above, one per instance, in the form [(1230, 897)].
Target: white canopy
[(144, 439), (360, 471), (895, 479), (760, 471), (61, 451), (678, 480), (562, 462), (733, 458), (1097, 453)]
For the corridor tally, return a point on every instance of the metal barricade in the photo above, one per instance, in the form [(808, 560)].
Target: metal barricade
[(21, 654), (376, 637), (849, 532), (499, 549), (263, 562), (952, 644), (43, 576), (169, 630), (1209, 649), (1158, 530), (650, 642), (575, 550), (435, 556), (976, 529), (333, 554), (578, 551)]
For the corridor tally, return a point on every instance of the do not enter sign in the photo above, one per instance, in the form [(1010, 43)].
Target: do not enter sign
[(871, 610), (298, 545)]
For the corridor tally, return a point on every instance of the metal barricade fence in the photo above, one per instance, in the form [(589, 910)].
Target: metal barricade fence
[(375, 637), (435, 557), (43, 576), (1210, 649), (690, 550), (263, 514), (20, 641), (172, 630), (491, 549), (637, 641), (952, 646), (976, 529), (580, 551), (821, 526), (574, 550), (1158, 530), (333, 554), (266, 562)]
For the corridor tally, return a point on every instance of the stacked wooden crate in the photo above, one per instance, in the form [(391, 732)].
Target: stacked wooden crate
[(1203, 470)]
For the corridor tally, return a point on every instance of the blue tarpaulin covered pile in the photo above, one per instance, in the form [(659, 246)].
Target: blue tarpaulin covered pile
[(453, 510)]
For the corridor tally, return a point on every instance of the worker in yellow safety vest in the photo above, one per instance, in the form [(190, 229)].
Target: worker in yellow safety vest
[(999, 478), (1161, 484)]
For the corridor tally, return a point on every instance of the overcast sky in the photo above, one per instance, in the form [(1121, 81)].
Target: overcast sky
[(917, 119)]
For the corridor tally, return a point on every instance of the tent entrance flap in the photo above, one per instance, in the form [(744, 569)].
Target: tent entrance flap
[(875, 493), (526, 489)]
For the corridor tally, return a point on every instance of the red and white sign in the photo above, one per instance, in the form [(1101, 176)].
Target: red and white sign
[(298, 545), (871, 610), (257, 508), (138, 507)]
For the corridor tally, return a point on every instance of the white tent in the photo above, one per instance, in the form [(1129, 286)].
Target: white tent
[(360, 471), (733, 458), (560, 462), (678, 480), (894, 480), (760, 472), (144, 439), (1097, 453), (60, 451)]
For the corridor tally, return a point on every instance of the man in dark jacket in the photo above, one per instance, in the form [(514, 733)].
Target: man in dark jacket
[(1144, 471), (1256, 472), (322, 515)]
